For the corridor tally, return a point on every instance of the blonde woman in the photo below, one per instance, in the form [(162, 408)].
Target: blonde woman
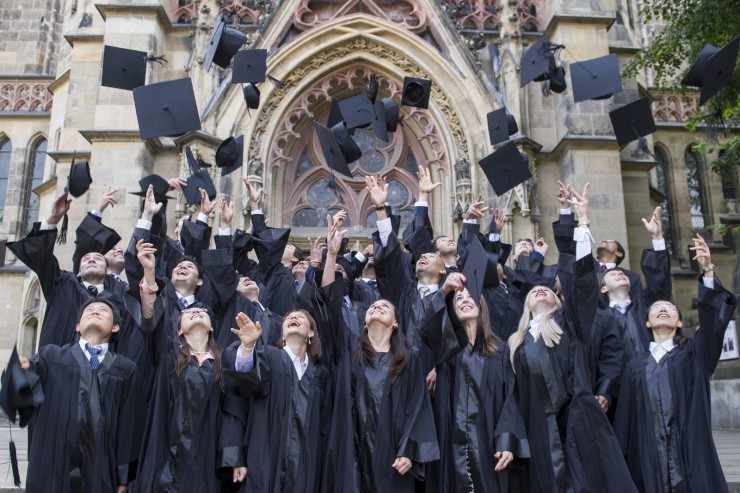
[(572, 444)]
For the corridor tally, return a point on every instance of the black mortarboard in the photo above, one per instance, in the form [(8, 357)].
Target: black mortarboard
[(416, 92), (535, 63), (249, 66), (335, 114), (252, 96), (632, 121), (230, 155), (92, 236), (380, 126), (695, 75), (223, 45), (500, 126), (123, 68), (166, 109), (480, 269), (331, 148), (21, 391), (505, 168), (79, 179), (199, 178), (597, 78), (392, 114), (159, 185), (718, 70), (357, 111)]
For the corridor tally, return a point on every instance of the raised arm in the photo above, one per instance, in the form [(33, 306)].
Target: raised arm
[(244, 372), (142, 232), (418, 236), (656, 263)]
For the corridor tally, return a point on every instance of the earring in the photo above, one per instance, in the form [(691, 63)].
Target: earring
[(309, 342), (365, 327), (395, 326)]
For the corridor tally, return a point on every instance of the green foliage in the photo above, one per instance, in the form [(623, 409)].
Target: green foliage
[(689, 25)]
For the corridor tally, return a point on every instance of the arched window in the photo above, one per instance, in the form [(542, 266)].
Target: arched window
[(662, 174), (34, 178), (697, 197), (5, 150), (30, 331)]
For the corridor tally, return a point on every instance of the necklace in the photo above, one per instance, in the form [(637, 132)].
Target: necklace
[(200, 353)]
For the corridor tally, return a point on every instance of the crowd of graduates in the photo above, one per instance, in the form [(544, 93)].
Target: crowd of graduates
[(232, 362)]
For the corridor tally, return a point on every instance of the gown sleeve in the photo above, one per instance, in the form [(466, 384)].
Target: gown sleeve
[(716, 309), (392, 269)]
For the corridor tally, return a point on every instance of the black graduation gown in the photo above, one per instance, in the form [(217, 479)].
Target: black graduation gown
[(400, 288), (475, 410), (193, 429), (88, 430), (288, 428), (374, 419), (685, 375), (572, 443)]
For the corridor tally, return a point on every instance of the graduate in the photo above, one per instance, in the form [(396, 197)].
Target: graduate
[(194, 430), (663, 420), (572, 443), (88, 429), (479, 423), (291, 398), (382, 430)]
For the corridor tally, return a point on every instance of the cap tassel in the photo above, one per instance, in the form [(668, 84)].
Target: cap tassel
[(62, 236), (276, 82), (642, 146), (546, 88), (14, 464), (371, 89), (158, 59), (332, 185)]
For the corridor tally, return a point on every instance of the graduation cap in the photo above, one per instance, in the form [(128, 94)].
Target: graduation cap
[(505, 168), (335, 114), (230, 155), (199, 178), (252, 96), (337, 147), (501, 125), (78, 182), (718, 70), (92, 236), (250, 66), (416, 92), (535, 63), (123, 68), (633, 121), (597, 78), (21, 391), (224, 44), (166, 109), (392, 114), (480, 269), (160, 187), (695, 75), (357, 111)]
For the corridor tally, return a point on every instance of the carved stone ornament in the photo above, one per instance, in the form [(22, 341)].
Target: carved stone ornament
[(406, 14)]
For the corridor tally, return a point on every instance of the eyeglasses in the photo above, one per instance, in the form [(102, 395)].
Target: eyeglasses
[(188, 311), (664, 306)]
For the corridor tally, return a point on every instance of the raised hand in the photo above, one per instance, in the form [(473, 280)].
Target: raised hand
[(454, 282), (177, 183), (476, 209), (255, 194), (426, 186), (580, 203), (333, 236), (316, 249), (227, 212), (248, 332), (369, 251), (541, 246), (703, 256), (145, 253), (377, 188), (107, 199), (655, 225), (206, 205), (151, 207), (499, 219), (59, 208), (565, 193), (339, 217)]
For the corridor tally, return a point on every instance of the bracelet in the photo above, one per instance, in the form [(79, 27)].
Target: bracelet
[(249, 349), (584, 225), (708, 268)]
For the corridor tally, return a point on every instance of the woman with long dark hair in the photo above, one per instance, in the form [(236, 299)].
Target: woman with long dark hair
[(194, 430), (290, 407), (663, 420), (572, 444), (382, 429), (479, 423)]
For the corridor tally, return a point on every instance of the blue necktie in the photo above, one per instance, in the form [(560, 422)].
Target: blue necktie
[(94, 352), (372, 284), (184, 303)]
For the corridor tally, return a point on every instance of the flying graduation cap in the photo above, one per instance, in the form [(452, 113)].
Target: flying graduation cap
[(598, 78), (126, 69), (480, 269), (695, 75), (505, 168), (718, 70), (416, 92), (160, 187), (199, 178), (501, 125), (338, 147), (223, 45), (230, 155), (633, 121), (538, 64), (78, 182), (166, 109), (250, 68)]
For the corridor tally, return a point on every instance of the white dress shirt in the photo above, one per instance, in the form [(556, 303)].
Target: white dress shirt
[(660, 350), (103, 350)]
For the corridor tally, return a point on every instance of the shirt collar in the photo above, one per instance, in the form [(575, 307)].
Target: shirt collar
[(660, 350), (103, 348), (303, 365), (623, 304), (433, 288), (100, 287), (608, 265), (534, 325), (190, 299)]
